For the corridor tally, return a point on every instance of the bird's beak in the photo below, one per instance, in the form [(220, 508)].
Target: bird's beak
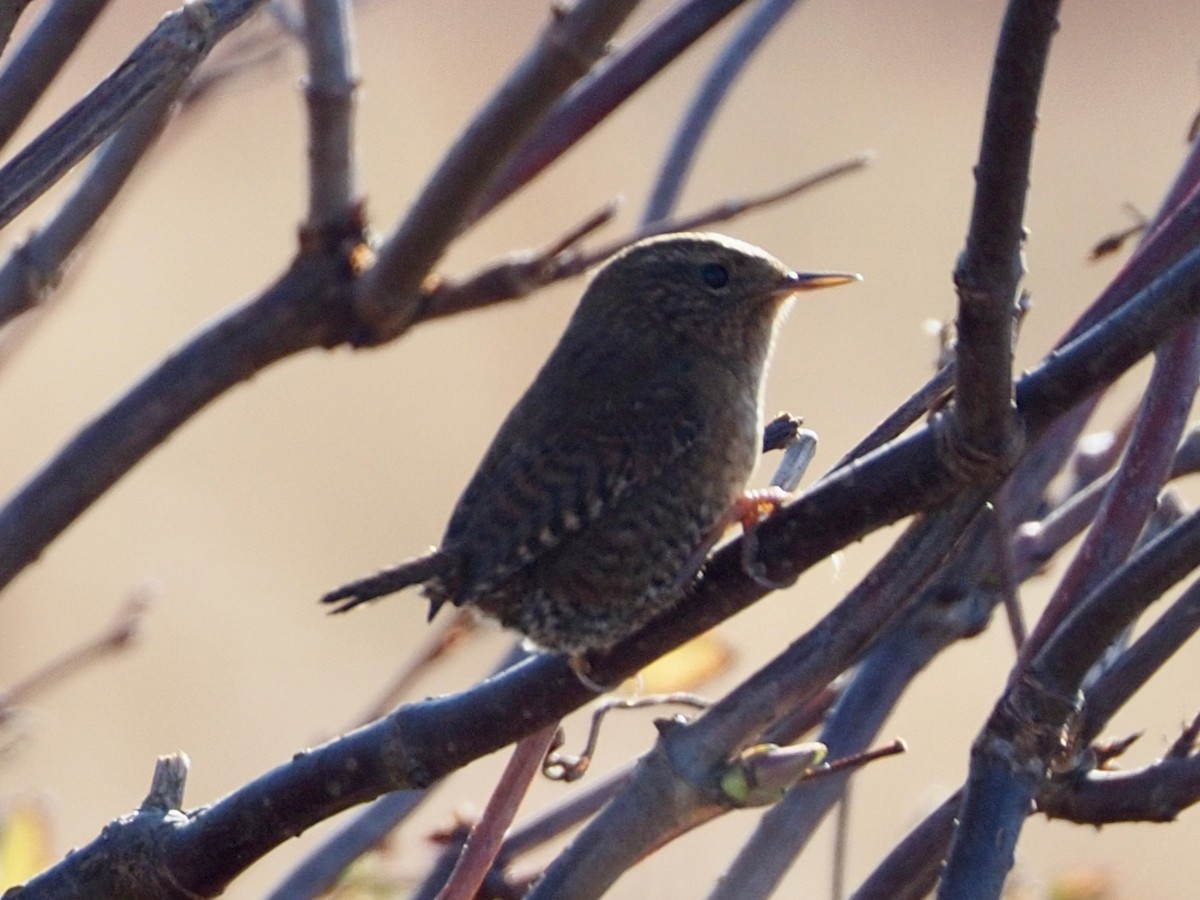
[(810, 281)]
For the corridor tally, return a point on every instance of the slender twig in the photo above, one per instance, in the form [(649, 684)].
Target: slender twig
[(591, 101), (1129, 497), (123, 630), (329, 91), (708, 99), (734, 207), (445, 636), (909, 412), (160, 63), (910, 871), (572, 767), (35, 267), (486, 837), (1143, 659), (1060, 666), (1037, 542), (318, 874), (519, 274), (37, 60), (1007, 579)]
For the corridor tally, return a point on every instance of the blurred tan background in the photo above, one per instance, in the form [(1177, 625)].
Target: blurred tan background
[(332, 465)]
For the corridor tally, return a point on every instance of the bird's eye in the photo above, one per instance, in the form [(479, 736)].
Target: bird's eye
[(715, 275)]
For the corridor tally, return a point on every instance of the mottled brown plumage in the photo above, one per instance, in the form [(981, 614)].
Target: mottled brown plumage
[(617, 471)]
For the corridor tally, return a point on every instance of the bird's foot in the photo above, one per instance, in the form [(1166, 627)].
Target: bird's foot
[(582, 669), (751, 510)]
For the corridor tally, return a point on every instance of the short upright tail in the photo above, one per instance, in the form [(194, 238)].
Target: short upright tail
[(415, 571)]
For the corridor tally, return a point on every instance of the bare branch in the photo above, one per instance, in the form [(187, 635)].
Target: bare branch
[(118, 636), (160, 63), (590, 102), (484, 842), (709, 97), (332, 182), (40, 56), (275, 325), (35, 267), (989, 271), (520, 274), (388, 295)]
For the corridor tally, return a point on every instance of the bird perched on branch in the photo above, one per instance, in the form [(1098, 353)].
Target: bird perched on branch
[(628, 456)]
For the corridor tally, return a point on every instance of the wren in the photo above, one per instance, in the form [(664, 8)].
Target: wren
[(614, 475)]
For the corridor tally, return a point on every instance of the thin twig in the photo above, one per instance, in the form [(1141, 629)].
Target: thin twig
[(565, 767), (160, 63), (37, 60), (708, 99), (329, 91), (593, 99), (486, 837), (119, 635), (910, 411), (1130, 496), (445, 636), (319, 872), (36, 266), (519, 274)]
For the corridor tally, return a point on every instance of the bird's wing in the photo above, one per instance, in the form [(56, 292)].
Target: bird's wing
[(536, 493)]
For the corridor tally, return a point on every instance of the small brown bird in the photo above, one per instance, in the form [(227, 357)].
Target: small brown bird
[(628, 456)]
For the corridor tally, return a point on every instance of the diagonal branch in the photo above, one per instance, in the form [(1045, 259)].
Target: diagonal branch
[(388, 295), (160, 63), (709, 97), (36, 62), (35, 266), (647, 54)]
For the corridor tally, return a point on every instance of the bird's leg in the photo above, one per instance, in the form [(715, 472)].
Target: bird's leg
[(750, 510)]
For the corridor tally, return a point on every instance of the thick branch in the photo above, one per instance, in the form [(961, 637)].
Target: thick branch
[(990, 267)]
